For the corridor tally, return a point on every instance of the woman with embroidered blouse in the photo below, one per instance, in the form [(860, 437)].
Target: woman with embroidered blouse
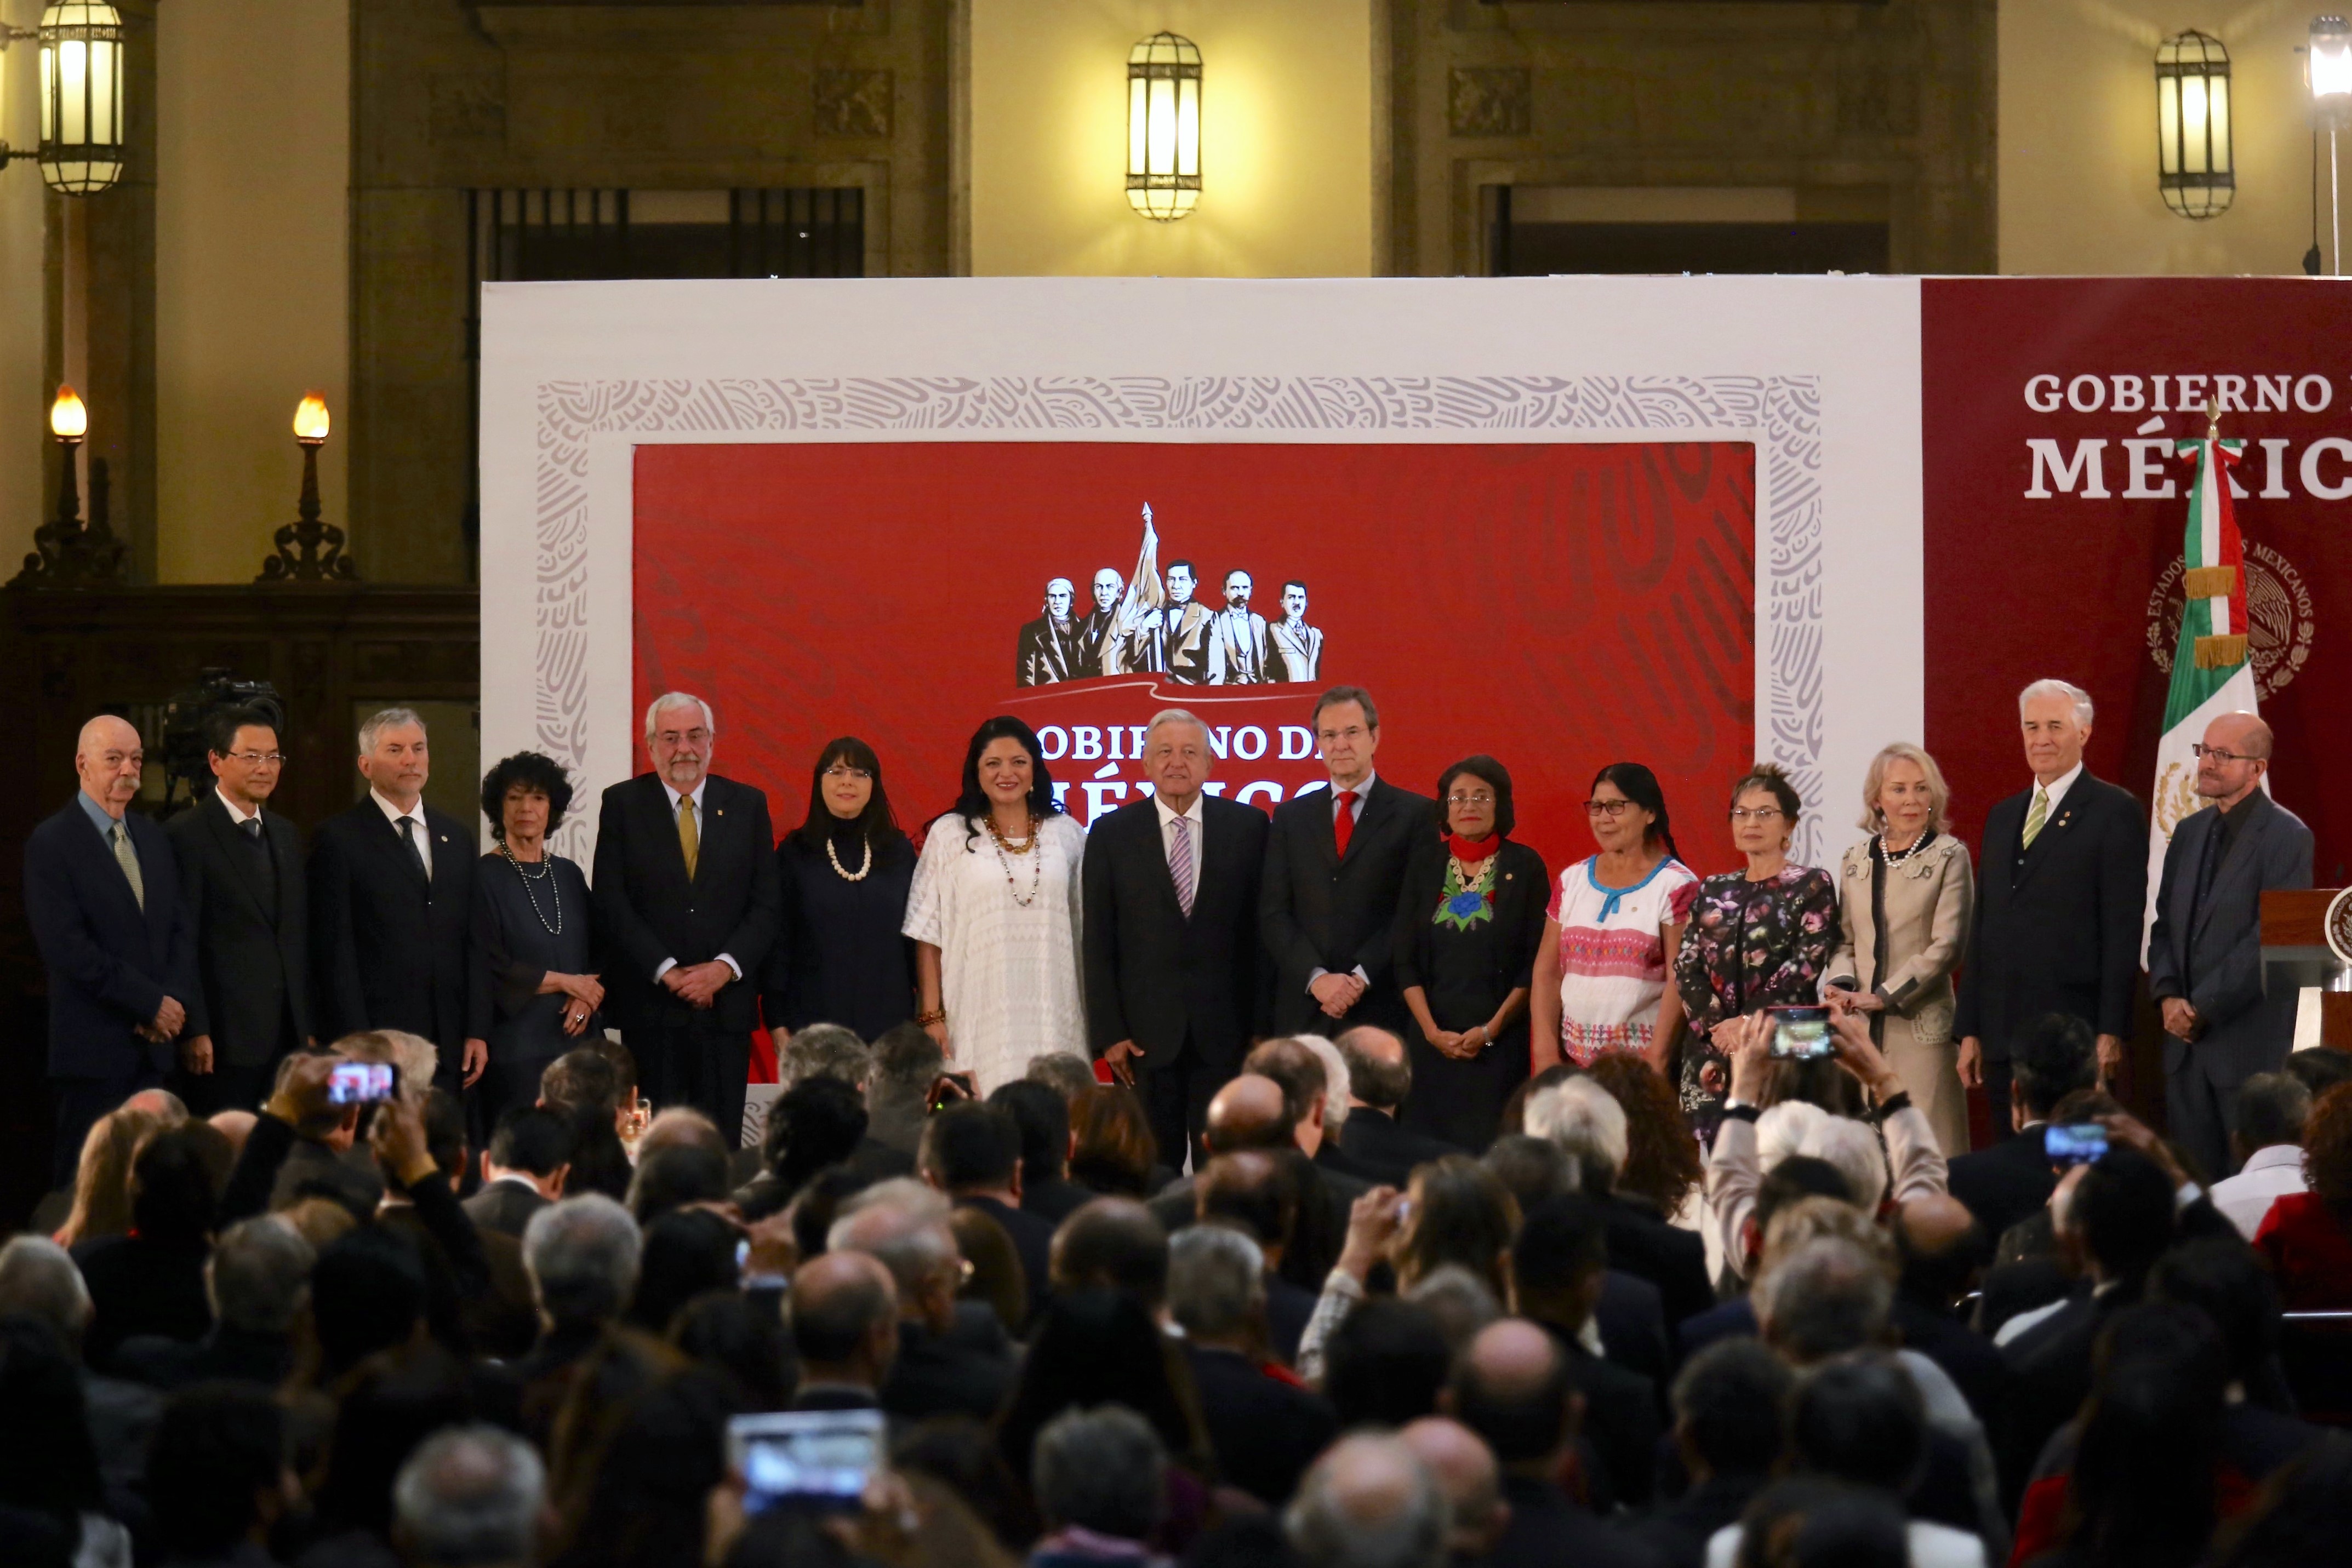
[(1613, 930), (1757, 938), (1904, 894), (1469, 917)]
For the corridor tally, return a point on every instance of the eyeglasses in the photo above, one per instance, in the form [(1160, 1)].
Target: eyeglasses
[(1607, 808), (1480, 798), (2218, 755), (844, 771), (1755, 813), (257, 759)]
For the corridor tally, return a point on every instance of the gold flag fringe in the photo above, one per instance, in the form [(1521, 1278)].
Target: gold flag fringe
[(2210, 582), (2221, 653)]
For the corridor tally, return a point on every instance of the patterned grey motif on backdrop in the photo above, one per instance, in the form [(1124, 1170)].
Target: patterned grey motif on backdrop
[(1786, 409)]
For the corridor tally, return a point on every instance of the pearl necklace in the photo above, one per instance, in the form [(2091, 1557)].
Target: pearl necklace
[(1006, 847), (843, 872), (554, 889), (1896, 857)]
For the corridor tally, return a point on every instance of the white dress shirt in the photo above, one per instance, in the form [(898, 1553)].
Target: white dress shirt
[(395, 816), (2057, 790), (239, 814), (1192, 816), (2270, 1174), (674, 797)]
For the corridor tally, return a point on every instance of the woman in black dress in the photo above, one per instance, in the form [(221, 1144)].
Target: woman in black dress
[(839, 956), (1469, 921), (535, 991)]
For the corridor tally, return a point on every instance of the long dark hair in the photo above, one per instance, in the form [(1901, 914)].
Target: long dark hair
[(973, 805), (877, 825), (1639, 784)]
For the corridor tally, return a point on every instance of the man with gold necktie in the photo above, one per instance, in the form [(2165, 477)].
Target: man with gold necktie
[(688, 900), (2061, 883)]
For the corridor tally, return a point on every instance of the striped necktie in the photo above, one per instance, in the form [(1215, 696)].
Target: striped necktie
[(128, 859), (2034, 817), (1179, 865)]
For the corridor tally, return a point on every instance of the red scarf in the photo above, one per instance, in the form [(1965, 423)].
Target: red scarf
[(1471, 851)]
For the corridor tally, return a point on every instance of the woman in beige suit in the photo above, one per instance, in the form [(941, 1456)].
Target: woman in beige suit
[(1903, 894)]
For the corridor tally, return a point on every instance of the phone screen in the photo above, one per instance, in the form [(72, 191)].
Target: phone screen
[(359, 1082), (817, 1459), (2075, 1144), (1801, 1034)]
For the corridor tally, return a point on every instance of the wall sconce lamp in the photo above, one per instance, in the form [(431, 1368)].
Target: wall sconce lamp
[(307, 549), (67, 550), (1163, 127), (2327, 68), (82, 144), (2196, 163)]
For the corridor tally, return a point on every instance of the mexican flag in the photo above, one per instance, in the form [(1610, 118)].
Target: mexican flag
[(2212, 668)]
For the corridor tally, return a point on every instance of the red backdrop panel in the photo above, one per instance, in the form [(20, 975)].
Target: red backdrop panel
[(2085, 587), (1558, 605)]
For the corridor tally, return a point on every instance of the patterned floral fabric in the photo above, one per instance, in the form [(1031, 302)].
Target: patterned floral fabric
[(1749, 944)]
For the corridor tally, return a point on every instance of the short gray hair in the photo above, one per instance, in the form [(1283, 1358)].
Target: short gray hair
[(901, 1225), (259, 1274), (1102, 1469), (1216, 1279), (385, 719), (1462, 1303), (1584, 1121), (1174, 716), (1065, 1072), (2056, 688), (38, 1278), (1369, 1518), (1826, 1298), (582, 1255), (1335, 1079), (1853, 1147), (469, 1494), (826, 1051), (679, 699)]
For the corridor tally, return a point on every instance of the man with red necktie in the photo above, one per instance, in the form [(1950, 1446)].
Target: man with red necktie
[(1334, 864)]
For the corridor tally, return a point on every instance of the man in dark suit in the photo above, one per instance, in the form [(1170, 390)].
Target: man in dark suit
[(1049, 646), (2205, 952), (2013, 1178), (687, 895), (241, 873), (971, 1152), (102, 894), (2061, 887), (1171, 970), (1558, 1261), (846, 1327), (392, 892), (523, 1170), (1334, 861), (954, 1357), (1265, 1430), (1380, 1076)]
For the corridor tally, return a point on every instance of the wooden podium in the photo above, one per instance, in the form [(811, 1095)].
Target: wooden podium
[(2296, 953)]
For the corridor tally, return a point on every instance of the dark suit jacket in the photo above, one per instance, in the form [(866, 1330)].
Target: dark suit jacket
[(2210, 955), (1621, 1424), (1032, 1242), (504, 1208), (1264, 1432), (111, 962), (252, 940), (1644, 1243), (389, 949), (2056, 928), (1373, 1142), (1155, 976), (966, 1371), (1046, 656), (1320, 911), (649, 912), (2005, 1183)]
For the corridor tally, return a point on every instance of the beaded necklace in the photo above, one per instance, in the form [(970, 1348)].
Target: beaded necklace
[(554, 890), (1006, 847)]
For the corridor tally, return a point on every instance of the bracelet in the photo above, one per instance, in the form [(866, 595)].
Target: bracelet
[(1898, 1101), (938, 1015)]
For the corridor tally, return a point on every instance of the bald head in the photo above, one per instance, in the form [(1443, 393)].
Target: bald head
[(1379, 1075), (2237, 754), (1466, 1474), (1941, 1247), (1368, 1502), (1250, 1112), (107, 760), (1512, 1389), (845, 1318)]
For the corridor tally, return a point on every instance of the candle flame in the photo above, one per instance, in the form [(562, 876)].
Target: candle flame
[(68, 419), (311, 418)]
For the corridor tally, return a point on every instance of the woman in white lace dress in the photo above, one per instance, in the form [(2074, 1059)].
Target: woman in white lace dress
[(994, 914)]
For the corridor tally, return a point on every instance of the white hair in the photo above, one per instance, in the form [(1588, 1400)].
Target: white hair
[(2055, 688), (1583, 1120), (377, 723), (1174, 716), (679, 699), (1853, 1147), (1782, 1129), (1335, 1073)]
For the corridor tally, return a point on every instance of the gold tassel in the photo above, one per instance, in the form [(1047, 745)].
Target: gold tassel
[(2209, 582), (2221, 653)]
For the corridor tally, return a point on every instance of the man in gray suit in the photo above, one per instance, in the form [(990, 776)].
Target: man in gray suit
[(2204, 956)]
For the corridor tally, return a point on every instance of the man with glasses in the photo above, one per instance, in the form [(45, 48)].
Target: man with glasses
[(241, 878), (102, 893), (1334, 866), (2204, 955)]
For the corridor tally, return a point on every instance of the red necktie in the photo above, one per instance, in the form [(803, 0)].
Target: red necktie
[(1343, 823)]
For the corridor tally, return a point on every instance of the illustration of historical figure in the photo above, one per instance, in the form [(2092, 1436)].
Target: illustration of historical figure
[(1184, 643), (1050, 647), (1095, 629), (1297, 645), (1238, 653)]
